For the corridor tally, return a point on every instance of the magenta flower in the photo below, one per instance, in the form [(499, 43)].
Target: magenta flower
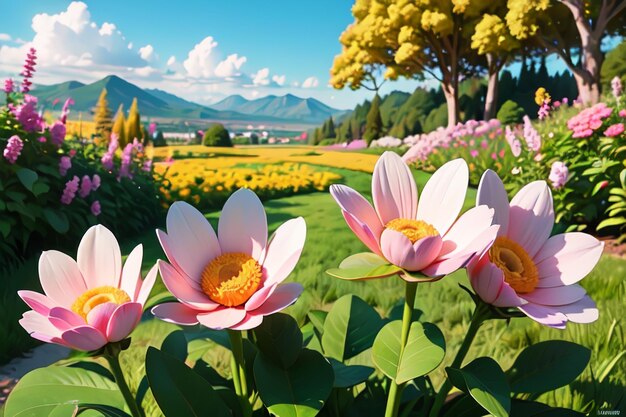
[(544, 110), (65, 163), (528, 269), (27, 114), (28, 70), (65, 111), (233, 279), (69, 192), (57, 133), (614, 130), (8, 86), (127, 159), (85, 186), (13, 149), (474, 153), (616, 87), (89, 302), (95, 182), (622, 113), (428, 237), (147, 166), (96, 209), (108, 157), (559, 174)]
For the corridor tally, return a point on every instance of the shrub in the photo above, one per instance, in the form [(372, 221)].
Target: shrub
[(510, 113), (217, 135)]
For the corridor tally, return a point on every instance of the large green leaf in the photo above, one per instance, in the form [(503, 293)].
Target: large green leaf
[(485, 381), (424, 351), (364, 265), (299, 391), (27, 177), (280, 339), (43, 390), (349, 375), (350, 328), (548, 365), (176, 345), (522, 408), (58, 220), (178, 390)]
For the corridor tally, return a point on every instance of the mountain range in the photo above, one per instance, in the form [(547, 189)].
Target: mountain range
[(159, 103)]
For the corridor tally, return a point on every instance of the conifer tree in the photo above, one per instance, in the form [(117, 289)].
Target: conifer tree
[(119, 126), (373, 123), (133, 123), (102, 117)]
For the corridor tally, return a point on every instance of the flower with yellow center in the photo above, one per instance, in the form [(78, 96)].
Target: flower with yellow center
[(92, 298), (231, 279), (413, 229), (518, 268)]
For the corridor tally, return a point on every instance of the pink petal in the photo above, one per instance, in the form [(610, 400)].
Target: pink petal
[(84, 338), (34, 322), (582, 311), (166, 245), (443, 195), (243, 224), (283, 297), (100, 315), (352, 202), (393, 189), (176, 313), (178, 286), (398, 250), (99, 258), (131, 272), (465, 229), (283, 250), (146, 286), (544, 315), (250, 322), (448, 265), (64, 319), (190, 239), (567, 258), (488, 282), (556, 296), (259, 297), (60, 278), (531, 216), (123, 321), (491, 193), (363, 232), (38, 302), (222, 318)]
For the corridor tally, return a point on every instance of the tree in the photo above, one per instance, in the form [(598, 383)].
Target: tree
[(133, 124), (102, 117), (373, 123), (217, 135), (119, 126), (328, 130), (614, 65), (436, 118), (355, 129), (510, 113), (570, 28)]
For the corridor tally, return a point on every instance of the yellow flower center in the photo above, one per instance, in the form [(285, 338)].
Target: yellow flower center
[(96, 296), (231, 279), (413, 229), (519, 269)]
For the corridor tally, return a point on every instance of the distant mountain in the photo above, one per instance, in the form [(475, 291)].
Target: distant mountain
[(159, 103), (287, 107)]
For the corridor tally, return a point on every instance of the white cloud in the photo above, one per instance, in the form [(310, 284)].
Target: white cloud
[(310, 82), (171, 61), (200, 62), (147, 53), (107, 29), (261, 77), (230, 66), (5, 37), (279, 79)]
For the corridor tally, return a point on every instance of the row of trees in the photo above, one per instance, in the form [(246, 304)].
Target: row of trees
[(450, 40), (127, 129)]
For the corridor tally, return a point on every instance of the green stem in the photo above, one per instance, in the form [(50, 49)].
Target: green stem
[(112, 354), (478, 317), (395, 390), (239, 371)]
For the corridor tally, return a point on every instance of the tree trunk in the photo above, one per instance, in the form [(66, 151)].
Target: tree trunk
[(491, 98), (451, 92)]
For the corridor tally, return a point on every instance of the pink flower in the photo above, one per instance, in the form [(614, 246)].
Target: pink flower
[(108, 157), (65, 111), (622, 113), (57, 133), (147, 165), (95, 208), (513, 141), (533, 140), (559, 174), (127, 159), (28, 70), (95, 182), (544, 110), (65, 163), (89, 302), (85, 186), (616, 87), (494, 156), (42, 139), (474, 153), (556, 104), (69, 192), (72, 153), (26, 113), (13, 149), (528, 269), (428, 237), (614, 130), (587, 121), (233, 279), (8, 86)]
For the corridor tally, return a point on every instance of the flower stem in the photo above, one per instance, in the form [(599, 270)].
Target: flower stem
[(239, 371), (112, 355), (478, 317), (395, 390)]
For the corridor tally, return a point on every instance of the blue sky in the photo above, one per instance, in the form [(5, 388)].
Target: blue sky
[(200, 50)]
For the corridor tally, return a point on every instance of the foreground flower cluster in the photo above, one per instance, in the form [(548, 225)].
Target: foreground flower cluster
[(232, 278)]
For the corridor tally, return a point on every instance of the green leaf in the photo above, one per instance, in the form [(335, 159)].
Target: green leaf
[(175, 344), (350, 328), (58, 220), (615, 221), (485, 381), (318, 317), (27, 177), (523, 408), (364, 265), (423, 353), (40, 188), (299, 391), (349, 375), (178, 390), (548, 365), (39, 392), (104, 410), (279, 339)]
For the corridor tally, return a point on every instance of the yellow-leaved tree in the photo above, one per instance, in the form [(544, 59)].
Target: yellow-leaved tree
[(102, 117), (133, 123), (119, 126)]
